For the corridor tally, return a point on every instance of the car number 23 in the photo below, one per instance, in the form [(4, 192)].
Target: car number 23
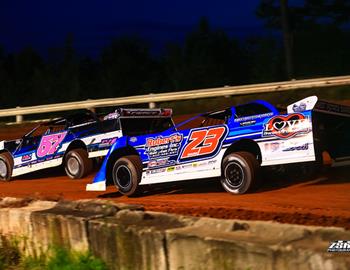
[(203, 142)]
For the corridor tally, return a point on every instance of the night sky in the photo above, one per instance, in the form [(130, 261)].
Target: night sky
[(43, 24)]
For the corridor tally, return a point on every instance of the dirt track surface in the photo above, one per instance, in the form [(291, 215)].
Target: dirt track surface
[(322, 200), (319, 200)]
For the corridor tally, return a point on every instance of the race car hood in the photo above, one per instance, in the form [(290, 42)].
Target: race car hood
[(9, 145)]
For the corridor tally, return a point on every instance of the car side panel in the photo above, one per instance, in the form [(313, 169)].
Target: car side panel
[(43, 155), (280, 138)]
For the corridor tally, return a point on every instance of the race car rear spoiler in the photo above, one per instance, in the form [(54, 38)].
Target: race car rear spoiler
[(312, 103), (332, 108), (144, 112), (139, 113)]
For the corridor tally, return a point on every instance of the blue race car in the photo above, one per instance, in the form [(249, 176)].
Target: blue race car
[(72, 141), (231, 144)]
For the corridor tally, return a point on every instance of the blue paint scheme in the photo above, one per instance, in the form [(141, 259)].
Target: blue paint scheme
[(120, 143), (267, 105), (235, 130), (28, 144)]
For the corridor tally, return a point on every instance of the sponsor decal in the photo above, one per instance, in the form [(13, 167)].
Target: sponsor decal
[(200, 164), (108, 142), (156, 171), (111, 116), (272, 146), (170, 169), (133, 139), (286, 126), (297, 148), (299, 107), (253, 117), (247, 123), (163, 146), (337, 108), (339, 246), (203, 142), (49, 144), (188, 165), (159, 163), (26, 157)]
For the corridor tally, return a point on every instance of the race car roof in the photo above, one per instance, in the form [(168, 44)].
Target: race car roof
[(73, 119)]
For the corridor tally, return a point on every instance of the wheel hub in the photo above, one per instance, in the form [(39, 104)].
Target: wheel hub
[(234, 174), (123, 176), (3, 169), (73, 165)]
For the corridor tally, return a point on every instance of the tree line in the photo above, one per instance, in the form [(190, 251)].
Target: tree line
[(317, 40)]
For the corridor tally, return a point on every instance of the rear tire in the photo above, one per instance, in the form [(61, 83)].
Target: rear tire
[(6, 166), (126, 174), (240, 172), (77, 163)]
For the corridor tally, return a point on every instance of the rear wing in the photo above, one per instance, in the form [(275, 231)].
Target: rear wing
[(332, 108), (312, 103), (139, 113), (312, 130), (330, 124)]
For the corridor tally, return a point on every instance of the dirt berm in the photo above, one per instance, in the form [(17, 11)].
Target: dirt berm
[(127, 237)]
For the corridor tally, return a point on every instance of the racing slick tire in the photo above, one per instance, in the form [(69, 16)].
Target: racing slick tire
[(240, 172), (126, 174), (6, 166), (77, 163)]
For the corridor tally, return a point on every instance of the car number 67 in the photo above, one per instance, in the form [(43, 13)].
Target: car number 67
[(49, 144)]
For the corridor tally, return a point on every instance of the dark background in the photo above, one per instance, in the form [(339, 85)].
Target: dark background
[(54, 51)]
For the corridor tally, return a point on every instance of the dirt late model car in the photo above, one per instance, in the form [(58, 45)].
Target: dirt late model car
[(231, 144), (72, 141)]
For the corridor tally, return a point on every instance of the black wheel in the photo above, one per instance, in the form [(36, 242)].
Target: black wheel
[(6, 166), (126, 175), (77, 163), (239, 172)]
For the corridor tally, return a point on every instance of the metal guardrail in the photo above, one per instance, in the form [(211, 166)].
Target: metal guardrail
[(151, 99)]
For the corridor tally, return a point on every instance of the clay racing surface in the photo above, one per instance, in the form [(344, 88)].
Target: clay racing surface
[(293, 198)]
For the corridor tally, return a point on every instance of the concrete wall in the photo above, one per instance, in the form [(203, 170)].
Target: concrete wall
[(127, 237)]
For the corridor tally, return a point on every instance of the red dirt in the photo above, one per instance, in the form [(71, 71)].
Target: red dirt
[(323, 200)]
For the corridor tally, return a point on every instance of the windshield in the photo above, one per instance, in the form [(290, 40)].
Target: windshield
[(30, 133), (141, 126), (47, 127)]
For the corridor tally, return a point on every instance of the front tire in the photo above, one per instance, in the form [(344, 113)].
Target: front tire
[(6, 166), (126, 174), (239, 172), (77, 163)]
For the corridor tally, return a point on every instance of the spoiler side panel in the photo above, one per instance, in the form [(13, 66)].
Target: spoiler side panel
[(287, 139)]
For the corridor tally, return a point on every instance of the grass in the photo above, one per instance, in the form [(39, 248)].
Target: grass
[(9, 255), (59, 259)]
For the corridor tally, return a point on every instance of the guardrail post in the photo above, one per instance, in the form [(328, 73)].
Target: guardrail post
[(151, 105), (91, 109), (19, 118)]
